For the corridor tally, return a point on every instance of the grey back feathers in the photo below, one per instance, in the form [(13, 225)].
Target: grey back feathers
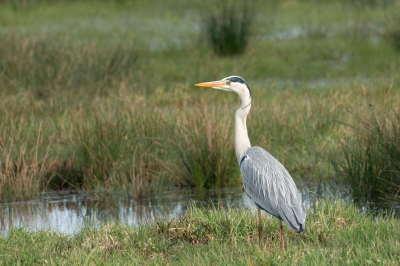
[(271, 187)]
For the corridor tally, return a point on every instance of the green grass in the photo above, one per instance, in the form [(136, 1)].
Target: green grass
[(229, 29), (392, 31), (335, 234), (99, 95), (370, 156)]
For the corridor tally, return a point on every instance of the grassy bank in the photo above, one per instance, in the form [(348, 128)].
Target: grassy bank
[(98, 95), (335, 234)]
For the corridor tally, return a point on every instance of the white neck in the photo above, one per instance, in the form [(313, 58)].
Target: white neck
[(242, 142)]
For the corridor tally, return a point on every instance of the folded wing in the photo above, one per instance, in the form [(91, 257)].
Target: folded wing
[(269, 184)]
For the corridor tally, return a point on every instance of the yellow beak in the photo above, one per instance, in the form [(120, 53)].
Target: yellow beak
[(214, 84)]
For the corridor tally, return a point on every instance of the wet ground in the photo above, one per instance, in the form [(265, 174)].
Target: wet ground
[(67, 211)]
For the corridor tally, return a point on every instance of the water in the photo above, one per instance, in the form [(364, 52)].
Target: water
[(68, 211)]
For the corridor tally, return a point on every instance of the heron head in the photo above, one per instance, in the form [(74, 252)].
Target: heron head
[(232, 83)]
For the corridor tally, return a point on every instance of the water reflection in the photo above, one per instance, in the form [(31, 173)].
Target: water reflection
[(67, 211)]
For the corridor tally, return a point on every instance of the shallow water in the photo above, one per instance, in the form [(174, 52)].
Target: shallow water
[(67, 211)]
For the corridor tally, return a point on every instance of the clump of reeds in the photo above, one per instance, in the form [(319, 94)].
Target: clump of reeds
[(229, 29), (392, 31), (21, 174), (120, 153), (371, 3), (370, 162), (202, 147)]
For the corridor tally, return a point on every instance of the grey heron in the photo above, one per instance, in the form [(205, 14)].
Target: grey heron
[(265, 180)]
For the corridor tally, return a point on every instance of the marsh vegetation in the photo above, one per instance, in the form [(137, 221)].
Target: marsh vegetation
[(99, 96), (336, 234), (228, 29)]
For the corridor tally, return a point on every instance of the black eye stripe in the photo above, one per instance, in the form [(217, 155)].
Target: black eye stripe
[(237, 79)]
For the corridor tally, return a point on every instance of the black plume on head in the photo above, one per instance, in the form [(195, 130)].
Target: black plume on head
[(239, 80)]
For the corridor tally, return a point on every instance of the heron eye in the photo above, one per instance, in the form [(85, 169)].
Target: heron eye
[(228, 82)]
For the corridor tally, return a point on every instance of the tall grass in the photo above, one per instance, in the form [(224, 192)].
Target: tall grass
[(120, 151), (202, 146), (113, 117), (370, 161), (392, 31), (372, 3), (23, 174), (228, 30), (114, 143), (34, 63)]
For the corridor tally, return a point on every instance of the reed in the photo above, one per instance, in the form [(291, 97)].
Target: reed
[(392, 31), (229, 29), (120, 151), (372, 3), (370, 157), (202, 145), (23, 175)]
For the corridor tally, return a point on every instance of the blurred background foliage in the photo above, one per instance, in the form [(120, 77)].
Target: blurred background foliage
[(98, 94)]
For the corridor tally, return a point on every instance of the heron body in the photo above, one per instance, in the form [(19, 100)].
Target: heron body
[(272, 189), (265, 179)]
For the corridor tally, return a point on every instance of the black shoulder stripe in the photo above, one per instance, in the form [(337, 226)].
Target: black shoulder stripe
[(241, 161)]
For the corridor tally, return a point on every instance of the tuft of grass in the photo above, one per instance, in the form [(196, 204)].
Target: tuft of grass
[(370, 161), (119, 152), (203, 148), (335, 234), (23, 174), (392, 31), (228, 30), (372, 3)]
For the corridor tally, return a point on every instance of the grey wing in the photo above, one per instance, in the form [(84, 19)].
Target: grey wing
[(271, 187)]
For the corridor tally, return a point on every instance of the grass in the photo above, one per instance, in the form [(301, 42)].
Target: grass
[(32, 62), (371, 3), (229, 29), (98, 95), (370, 157), (204, 149), (335, 234), (392, 31)]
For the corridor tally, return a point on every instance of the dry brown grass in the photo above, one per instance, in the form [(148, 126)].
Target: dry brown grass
[(20, 174)]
